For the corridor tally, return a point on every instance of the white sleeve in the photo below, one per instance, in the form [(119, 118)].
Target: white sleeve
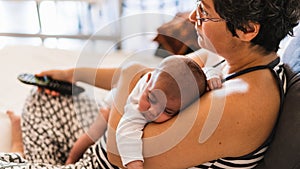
[(212, 72), (130, 129), (108, 99)]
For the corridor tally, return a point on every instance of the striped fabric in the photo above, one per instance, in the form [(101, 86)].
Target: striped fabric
[(233, 163), (100, 150)]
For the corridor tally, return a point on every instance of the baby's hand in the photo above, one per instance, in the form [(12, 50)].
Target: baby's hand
[(135, 165), (214, 83), (214, 77)]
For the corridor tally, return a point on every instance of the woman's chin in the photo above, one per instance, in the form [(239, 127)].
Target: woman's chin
[(201, 42), (204, 45), (200, 39)]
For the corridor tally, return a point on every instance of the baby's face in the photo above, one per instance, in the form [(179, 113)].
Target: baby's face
[(155, 104)]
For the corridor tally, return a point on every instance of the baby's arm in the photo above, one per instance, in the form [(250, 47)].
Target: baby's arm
[(129, 136), (130, 130)]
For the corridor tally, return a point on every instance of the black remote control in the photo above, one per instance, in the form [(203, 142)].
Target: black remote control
[(62, 87)]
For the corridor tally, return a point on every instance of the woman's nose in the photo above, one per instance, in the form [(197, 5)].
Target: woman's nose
[(192, 16)]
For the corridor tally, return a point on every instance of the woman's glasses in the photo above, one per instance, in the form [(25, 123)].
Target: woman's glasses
[(200, 11)]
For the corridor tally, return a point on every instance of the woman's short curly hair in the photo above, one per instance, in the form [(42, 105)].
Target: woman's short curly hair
[(277, 18)]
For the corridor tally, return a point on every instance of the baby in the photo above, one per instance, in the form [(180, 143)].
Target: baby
[(157, 97)]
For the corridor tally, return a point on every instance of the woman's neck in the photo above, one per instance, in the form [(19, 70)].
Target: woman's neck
[(242, 60)]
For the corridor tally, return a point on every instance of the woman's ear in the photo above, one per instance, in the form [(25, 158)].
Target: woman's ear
[(192, 16), (251, 32)]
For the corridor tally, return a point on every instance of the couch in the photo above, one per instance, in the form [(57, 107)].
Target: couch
[(284, 151)]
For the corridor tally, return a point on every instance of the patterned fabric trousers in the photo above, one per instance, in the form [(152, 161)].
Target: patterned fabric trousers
[(50, 127)]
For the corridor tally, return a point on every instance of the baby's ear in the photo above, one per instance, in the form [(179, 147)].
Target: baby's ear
[(148, 77)]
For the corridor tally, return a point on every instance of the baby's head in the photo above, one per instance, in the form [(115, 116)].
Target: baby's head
[(174, 84)]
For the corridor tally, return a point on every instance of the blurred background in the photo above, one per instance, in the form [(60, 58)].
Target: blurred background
[(37, 35), (67, 24)]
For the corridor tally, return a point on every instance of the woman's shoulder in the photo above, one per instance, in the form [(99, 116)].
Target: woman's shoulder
[(229, 122), (252, 103), (240, 116), (254, 92), (241, 107)]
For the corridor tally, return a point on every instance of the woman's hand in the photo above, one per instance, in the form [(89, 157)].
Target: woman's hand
[(79, 147), (64, 75)]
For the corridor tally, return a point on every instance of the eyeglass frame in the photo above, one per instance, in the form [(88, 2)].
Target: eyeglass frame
[(200, 20)]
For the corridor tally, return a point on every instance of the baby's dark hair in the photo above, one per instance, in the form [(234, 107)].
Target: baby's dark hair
[(198, 73), (184, 78), (277, 18)]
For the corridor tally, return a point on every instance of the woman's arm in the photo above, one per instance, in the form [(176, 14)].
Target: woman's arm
[(103, 77), (205, 58), (223, 123)]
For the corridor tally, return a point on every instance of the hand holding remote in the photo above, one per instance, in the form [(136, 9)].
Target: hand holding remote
[(63, 75), (62, 87)]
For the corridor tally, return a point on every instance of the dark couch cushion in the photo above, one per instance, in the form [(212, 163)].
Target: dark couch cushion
[(291, 56), (284, 151)]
